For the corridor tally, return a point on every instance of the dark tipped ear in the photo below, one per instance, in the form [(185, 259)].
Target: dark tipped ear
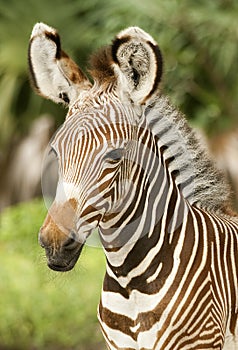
[(137, 64), (53, 73)]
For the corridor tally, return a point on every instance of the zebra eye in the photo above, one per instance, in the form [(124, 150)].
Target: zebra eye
[(115, 155)]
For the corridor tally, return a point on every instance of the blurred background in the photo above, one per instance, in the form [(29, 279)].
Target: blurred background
[(40, 309)]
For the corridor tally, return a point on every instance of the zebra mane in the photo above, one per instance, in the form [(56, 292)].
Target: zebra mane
[(201, 183)]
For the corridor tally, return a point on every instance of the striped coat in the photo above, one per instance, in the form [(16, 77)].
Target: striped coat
[(130, 166)]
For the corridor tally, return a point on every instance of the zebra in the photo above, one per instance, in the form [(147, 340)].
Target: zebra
[(131, 166)]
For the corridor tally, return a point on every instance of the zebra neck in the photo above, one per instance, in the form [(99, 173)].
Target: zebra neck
[(201, 183)]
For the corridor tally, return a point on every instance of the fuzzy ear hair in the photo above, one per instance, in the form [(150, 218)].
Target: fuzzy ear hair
[(53, 73), (137, 63)]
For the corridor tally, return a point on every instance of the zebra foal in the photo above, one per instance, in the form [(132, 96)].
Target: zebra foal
[(130, 166)]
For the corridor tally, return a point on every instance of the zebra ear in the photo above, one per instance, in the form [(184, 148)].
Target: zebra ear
[(53, 73), (137, 63)]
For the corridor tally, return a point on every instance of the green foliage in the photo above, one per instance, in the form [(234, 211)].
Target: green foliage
[(39, 308), (198, 40)]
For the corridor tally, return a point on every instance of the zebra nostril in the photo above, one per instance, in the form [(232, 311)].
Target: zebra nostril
[(71, 242)]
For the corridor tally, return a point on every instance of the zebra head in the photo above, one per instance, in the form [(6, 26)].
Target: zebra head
[(97, 147)]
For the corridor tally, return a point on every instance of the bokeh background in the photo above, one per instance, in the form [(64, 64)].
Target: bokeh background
[(40, 309)]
